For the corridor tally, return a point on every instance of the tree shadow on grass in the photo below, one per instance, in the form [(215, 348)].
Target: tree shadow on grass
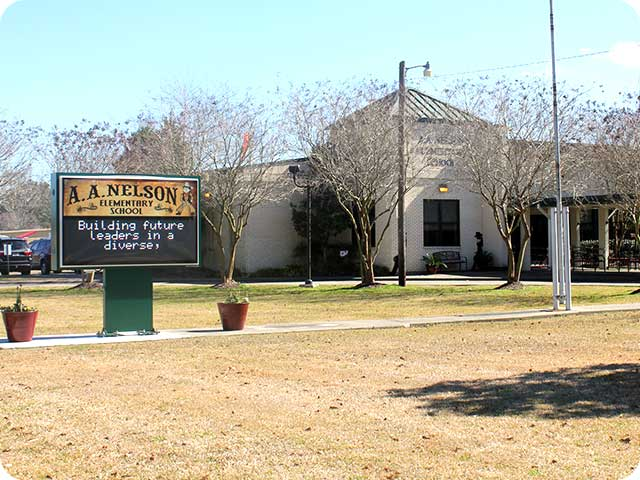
[(594, 391)]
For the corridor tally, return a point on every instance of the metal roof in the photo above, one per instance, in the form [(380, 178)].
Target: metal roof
[(423, 108)]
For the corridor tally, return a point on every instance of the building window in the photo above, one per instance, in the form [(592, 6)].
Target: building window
[(441, 223), (589, 224)]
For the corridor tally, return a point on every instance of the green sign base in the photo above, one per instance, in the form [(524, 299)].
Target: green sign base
[(128, 301)]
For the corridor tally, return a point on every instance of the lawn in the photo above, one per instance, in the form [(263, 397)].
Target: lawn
[(76, 311), (550, 399)]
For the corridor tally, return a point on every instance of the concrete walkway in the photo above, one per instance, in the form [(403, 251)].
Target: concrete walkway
[(92, 339)]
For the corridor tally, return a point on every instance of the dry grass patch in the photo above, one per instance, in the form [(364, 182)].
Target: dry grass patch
[(553, 398)]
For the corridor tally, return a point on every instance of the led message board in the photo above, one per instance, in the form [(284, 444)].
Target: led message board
[(126, 220)]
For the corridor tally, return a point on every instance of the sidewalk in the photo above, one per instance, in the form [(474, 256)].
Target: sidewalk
[(89, 339)]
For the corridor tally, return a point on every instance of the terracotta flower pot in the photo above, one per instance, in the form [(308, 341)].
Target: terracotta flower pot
[(20, 325), (233, 315)]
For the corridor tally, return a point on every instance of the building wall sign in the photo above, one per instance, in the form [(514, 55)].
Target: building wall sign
[(443, 162), (126, 220)]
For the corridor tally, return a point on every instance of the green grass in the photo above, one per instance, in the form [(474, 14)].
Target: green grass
[(80, 311)]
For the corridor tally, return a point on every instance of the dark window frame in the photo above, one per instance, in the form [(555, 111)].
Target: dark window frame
[(588, 221), (440, 229)]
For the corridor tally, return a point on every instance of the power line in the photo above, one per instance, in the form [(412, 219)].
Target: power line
[(507, 67)]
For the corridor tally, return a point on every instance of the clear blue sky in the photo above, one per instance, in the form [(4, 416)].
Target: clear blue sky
[(64, 60)]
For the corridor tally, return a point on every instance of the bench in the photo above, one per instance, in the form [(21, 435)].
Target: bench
[(452, 257)]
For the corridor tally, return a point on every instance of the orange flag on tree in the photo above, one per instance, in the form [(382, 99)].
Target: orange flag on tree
[(245, 145)]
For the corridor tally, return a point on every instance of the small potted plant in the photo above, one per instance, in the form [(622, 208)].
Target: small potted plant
[(483, 259), (233, 310), (433, 263), (19, 320)]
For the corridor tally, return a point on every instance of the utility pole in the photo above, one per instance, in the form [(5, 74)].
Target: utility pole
[(294, 171), (308, 282), (561, 289), (402, 167), (402, 179)]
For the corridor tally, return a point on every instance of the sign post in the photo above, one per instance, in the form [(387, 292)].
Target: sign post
[(7, 253), (125, 224), (128, 301)]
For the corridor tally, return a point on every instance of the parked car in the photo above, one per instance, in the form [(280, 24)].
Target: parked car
[(41, 255), (15, 256)]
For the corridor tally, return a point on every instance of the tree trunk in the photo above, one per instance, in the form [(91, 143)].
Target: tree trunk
[(368, 276), (520, 261), (227, 277), (366, 259), (514, 265), (221, 251), (513, 276), (524, 241)]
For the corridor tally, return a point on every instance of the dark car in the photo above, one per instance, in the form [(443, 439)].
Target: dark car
[(15, 256), (41, 257)]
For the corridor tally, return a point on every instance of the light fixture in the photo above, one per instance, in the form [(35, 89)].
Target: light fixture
[(443, 188), (427, 70)]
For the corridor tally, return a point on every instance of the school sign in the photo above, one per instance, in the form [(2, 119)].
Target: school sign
[(126, 220), (123, 223)]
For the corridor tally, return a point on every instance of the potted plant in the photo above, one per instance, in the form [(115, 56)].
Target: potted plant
[(433, 263), (483, 259), (233, 310), (19, 320)]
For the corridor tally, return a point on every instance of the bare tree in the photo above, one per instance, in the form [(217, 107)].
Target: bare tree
[(231, 143), (350, 135), (614, 156), (21, 199), (508, 157), (85, 148), (13, 154), (26, 204)]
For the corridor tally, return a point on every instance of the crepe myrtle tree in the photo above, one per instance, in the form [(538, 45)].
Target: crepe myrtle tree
[(244, 178), (350, 136), (507, 155), (230, 142)]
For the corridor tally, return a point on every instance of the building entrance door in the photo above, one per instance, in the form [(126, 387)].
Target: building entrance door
[(539, 241)]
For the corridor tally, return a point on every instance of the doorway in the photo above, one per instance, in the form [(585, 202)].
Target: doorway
[(539, 241)]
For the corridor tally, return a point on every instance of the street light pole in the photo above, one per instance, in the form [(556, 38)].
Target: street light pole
[(402, 180), (562, 283), (294, 170), (402, 167), (308, 282)]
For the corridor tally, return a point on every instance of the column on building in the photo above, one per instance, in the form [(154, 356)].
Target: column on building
[(603, 234), (574, 227)]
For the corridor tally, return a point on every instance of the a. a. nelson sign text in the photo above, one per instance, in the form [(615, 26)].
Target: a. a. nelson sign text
[(117, 220)]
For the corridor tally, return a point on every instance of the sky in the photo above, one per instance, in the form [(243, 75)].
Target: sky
[(62, 61)]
